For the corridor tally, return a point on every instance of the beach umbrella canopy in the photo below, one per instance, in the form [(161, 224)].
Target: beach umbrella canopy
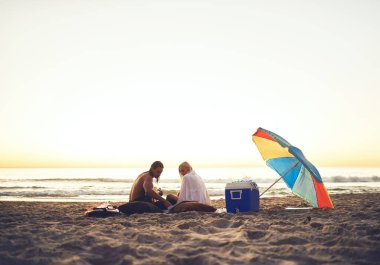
[(299, 174)]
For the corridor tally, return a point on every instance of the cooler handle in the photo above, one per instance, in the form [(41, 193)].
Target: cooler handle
[(237, 192)]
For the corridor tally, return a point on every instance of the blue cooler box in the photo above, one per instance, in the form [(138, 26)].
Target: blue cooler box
[(242, 197)]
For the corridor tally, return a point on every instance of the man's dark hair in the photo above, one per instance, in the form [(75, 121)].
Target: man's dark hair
[(156, 164)]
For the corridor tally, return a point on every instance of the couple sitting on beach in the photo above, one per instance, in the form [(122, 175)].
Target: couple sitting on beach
[(192, 187)]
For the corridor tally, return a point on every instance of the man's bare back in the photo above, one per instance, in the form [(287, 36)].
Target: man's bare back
[(143, 188), (138, 192)]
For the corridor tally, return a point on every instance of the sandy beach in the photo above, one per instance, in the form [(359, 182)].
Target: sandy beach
[(58, 233)]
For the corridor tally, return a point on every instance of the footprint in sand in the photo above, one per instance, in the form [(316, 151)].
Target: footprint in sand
[(72, 245), (316, 225), (255, 234), (332, 229), (362, 216), (187, 225), (237, 224), (200, 230), (373, 231), (221, 223), (293, 240), (147, 238)]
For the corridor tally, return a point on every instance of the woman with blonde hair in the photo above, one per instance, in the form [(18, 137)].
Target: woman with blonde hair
[(192, 186)]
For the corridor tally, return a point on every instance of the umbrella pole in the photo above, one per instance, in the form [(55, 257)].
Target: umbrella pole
[(279, 178), (270, 186)]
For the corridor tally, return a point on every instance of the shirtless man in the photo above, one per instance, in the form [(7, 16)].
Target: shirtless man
[(143, 189)]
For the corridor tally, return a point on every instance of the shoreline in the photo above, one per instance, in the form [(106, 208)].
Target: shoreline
[(58, 233), (270, 194)]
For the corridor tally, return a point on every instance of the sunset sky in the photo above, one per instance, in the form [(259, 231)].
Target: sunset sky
[(124, 83)]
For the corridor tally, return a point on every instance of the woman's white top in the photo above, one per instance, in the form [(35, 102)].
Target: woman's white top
[(193, 189)]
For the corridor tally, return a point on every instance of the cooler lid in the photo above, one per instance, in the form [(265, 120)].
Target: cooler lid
[(241, 185)]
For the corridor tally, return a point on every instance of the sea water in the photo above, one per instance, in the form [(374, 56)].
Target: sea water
[(114, 184)]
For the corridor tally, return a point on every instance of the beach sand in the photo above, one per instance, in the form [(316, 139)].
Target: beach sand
[(58, 233)]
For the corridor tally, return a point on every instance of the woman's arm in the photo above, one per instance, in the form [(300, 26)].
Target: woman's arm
[(182, 192)]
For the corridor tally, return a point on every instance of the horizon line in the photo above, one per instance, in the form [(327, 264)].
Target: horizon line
[(147, 166)]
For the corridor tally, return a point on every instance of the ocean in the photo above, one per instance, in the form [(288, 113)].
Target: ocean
[(114, 184)]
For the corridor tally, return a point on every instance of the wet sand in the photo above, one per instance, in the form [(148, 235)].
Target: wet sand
[(58, 233)]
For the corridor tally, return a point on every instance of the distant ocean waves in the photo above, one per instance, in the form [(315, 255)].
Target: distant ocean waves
[(352, 179), (332, 179), (53, 185), (118, 190)]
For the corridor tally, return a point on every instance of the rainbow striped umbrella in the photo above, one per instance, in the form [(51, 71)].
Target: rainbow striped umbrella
[(299, 174)]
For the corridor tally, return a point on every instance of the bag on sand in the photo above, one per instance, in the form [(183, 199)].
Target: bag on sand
[(103, 210), (187, 206), (139, 207)]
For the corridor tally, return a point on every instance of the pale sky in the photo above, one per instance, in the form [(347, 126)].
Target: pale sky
[(124, 83)]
